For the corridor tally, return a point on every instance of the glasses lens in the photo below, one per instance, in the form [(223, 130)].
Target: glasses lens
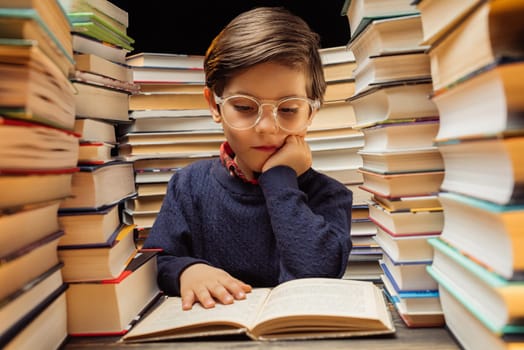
[(293, 114), (240, 112)]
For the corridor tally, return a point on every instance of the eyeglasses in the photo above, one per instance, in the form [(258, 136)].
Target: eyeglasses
[(243, 112)]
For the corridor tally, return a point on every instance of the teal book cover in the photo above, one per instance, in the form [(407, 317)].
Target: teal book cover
[(469, 282), (31, 14)]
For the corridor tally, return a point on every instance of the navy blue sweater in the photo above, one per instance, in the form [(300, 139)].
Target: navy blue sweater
[(284, 228)]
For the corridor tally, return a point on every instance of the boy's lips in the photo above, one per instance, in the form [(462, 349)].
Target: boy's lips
[(266, 148)]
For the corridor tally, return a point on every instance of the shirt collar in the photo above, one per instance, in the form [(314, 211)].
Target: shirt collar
[(227, 157)]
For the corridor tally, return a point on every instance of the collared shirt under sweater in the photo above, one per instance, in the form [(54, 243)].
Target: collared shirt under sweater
[(282, 228)]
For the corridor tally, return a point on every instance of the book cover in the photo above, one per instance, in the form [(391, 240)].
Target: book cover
[(473, 166), (91, 24), (30, 222), (121, 310), (155, 59), (409, 279), (360, 13), (105, 260), (29, 332), (88, 227), (98, 186), (389, 35), (20, 188), (17, 309), (28, 262), (394, 102), (29, 146), (20, 23), (489, 297), (489, 32)]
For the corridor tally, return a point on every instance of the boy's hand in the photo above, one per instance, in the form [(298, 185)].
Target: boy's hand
[(295, 153), (203, 283)]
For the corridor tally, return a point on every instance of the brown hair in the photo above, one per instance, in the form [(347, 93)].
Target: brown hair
[(265, 34)]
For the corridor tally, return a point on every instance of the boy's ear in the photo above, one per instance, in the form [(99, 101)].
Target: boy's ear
[(210, 98)]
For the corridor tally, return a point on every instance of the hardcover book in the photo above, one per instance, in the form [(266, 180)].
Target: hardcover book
[(491, 32), (388, 35), (488, 169), (426, 159), (33, 87), (32, 187), (89, 227), (98, 186), (300, 309), (500, 226), (376, 70), (125, 299), (418, 309), (154, 59), (494, 300), (361, 12), (27, 23), (98, 261), (469, 331), (394, 102), (409, 185), (439, 16), (490, 94)]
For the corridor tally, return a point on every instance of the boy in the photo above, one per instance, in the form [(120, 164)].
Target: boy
[(259, 215)]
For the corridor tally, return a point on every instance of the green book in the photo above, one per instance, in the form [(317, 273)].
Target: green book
[(90, 24)]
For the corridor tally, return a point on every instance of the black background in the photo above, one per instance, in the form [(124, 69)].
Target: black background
[(188, 26)]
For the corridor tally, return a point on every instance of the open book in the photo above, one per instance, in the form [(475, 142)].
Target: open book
[(300, 309)]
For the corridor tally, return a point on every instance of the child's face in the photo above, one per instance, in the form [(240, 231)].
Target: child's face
[(266, 82)]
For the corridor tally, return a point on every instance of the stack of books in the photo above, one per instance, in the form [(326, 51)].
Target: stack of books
[(38, 152), (98, 250), (103, 84), (402, 168), (171, 128), (477, 66), (335, 144)]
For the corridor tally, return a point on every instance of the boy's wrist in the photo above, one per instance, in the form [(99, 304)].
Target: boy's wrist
[(280, 176)]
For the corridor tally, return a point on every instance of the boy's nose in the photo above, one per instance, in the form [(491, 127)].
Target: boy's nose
[(268, 121)]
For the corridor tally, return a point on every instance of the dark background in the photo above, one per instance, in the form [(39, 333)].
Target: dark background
[(188, 26)]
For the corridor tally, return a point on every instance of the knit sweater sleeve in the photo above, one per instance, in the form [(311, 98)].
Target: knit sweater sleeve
[(312, 228), (171, 233)]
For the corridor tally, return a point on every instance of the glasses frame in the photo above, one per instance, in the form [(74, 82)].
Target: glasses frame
[(313, 104)]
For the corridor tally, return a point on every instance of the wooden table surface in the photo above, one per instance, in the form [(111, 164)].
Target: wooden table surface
[(404, 338)]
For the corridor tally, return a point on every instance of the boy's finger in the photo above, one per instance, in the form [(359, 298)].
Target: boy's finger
[(188, 299), (238, 288), (205, 298), (222, 294)]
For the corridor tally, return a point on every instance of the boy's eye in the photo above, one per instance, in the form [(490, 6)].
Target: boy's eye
[(244, 108), (287, 110)]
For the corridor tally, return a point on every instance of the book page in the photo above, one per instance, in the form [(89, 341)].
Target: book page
[(170, 316), (333, 297)]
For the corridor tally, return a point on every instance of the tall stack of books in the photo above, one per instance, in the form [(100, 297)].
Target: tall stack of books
[(103, 84), (171, 127), (402, 168), (98, 250), (335, 145), (477, 66), (38, 152)]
